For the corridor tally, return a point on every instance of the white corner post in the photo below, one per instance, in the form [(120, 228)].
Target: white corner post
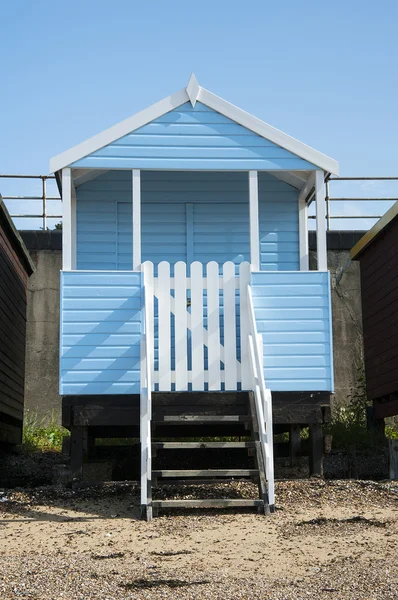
[(74, 225), (136, 189), (303, 223), (67, 237), (254, 221), (321, 244)]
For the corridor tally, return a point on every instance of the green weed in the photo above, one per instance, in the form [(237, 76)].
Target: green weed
[(42, 435)]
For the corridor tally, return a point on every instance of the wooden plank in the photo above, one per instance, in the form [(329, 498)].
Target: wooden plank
[(8, 407), (244, 281), (386, 409), (196, 419), (203, 409), (208, 503), (259, 457), (15, 371), (164, 328), (381, 390), (136, 215), (193, 399), (77, 453), (197, 340), (297, 414), (14, 303), (393, 458), (179, 473), (230, 364), (66, 219), (213, 326), (316, 450), (112, 416), (294, 444), (202, 445), (147, 269), (180, 327), (381, 309), (10, 433), (320, 221), (254, 221), (11, 255), (303, 232)]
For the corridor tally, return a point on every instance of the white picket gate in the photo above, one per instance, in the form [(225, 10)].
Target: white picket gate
[(208, 312)]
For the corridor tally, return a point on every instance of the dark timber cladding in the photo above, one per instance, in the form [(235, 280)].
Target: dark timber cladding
[(379, 286), (15, 268)]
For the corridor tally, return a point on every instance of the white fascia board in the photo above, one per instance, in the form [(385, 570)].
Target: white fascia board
[(118, 131), (267, 131)]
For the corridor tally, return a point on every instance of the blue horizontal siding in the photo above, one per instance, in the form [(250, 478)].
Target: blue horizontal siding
[(293, 316), (278, 224), (100, 333), (193, 138), (186, 216)]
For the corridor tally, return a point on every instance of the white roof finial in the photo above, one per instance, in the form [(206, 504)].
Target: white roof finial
[(193, 89)]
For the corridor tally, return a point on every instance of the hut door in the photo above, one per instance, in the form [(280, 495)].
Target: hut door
[(220, 232)]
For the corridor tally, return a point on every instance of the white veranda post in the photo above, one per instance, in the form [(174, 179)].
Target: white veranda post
[(320, 220), (136, 193), (254, 223), (68, 221)]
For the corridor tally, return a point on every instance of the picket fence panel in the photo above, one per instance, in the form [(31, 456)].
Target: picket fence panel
[(195, 312)]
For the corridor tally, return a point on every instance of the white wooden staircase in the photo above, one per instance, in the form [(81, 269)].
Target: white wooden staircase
[(202, 379)]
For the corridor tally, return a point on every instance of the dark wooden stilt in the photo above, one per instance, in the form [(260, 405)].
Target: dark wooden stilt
[(78, 450), (90, 443), (316, 450), (294, 444)]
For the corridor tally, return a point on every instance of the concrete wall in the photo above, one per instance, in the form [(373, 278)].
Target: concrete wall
[(41, 387), (346, 311), (42, 335)]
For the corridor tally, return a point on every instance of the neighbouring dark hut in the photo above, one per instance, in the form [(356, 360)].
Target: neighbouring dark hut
[(16, 267), (377, 252)]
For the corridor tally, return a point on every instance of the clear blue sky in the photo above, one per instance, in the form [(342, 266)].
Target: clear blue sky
[(324, 72)]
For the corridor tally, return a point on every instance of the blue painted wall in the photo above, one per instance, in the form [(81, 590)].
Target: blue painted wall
[(294, 317), (185, 216), (100, 333), (193, 138)]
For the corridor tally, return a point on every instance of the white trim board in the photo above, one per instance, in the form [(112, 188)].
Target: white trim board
[(194, 93)]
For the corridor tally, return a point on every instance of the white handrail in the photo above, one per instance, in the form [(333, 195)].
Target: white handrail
[(145, 417), (263, 400)]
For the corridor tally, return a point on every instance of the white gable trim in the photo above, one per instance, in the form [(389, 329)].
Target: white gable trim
[(193, 93), (267, 131), (193, 89), (119, 130)]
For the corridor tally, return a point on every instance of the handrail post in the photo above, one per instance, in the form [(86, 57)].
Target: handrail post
[(327, 199), (43, 180)]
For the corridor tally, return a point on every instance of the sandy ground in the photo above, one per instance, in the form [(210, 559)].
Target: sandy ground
[(335, 539)]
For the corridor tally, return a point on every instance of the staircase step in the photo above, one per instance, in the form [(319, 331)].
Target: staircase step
[(207, 503), (183, 473), (200, 419), (201, 445)]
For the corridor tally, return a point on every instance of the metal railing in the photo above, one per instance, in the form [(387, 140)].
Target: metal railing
[(44, 198), (328, 199)]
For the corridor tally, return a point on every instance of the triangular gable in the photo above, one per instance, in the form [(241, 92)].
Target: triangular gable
[(193, 137), (182, 115)]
